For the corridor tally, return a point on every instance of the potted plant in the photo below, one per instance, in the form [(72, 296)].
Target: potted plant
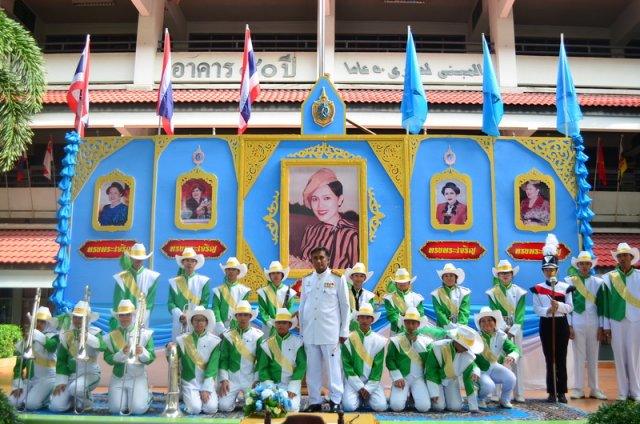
[(9, 336), (8, 412), (623, 412)]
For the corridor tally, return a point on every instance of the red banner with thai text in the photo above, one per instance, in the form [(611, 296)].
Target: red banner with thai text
[(105, 249), (452, 250), (208, 248), (532, 251)]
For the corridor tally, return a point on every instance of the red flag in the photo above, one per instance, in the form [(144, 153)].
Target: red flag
[(48, 160), (21, 166), (78, 94), (249, 85), (164, 108), (602, 172)]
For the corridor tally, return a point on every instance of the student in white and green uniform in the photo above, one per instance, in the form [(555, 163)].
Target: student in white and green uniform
[(356, 277), (401, 299), (135, 280), (282, 359), (227, 296), (239, 357), (33, 391), (74, 381), (129, 384), (451, 301), (188, 290), (447, 361), (199, 353), (498, 355), (510, 299), (274, 295), (363, 363)]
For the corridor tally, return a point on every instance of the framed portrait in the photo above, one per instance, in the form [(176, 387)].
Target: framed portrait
[(196, 200), (451, 201), (323, 203), (535, 202), (113, 202)]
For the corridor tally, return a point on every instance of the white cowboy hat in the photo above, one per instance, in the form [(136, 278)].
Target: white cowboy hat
[(244, 307), (43, 313), (125, 306), (234, 263), (403, 276), (83, 309), (625, 248), (276, 266), (189, 253), (504, 266), (486, 311), (138, 252), (207, 313), (283, 314), (412, 314), (366, 310), (467, 337), (584, 256), (358, 268), (451, 269)]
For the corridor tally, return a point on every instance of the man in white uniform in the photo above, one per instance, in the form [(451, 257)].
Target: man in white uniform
[(324, 325)]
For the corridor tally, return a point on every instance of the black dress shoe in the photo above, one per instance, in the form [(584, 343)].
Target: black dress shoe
[(334, 407), (562, 398), (551, 398), (316, 407)]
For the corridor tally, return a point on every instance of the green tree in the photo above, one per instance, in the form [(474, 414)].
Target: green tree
[(22, 87)]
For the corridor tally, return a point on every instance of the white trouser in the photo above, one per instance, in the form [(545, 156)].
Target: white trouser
[(449, 397), (227, 403), (193, 403), (518, 367), (351, 399), (585, 347), (418, 388), (331, 357), (136, 397), (625, 342), (497, 374), (63, 401), (38, 391)]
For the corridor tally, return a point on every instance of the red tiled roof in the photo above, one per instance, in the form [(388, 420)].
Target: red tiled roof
[(28, 246), (605, 243), (348, 95)]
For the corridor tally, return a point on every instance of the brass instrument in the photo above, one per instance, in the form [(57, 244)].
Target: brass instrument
[(132, 358), (83, 355), (27, 348), (172, 407)]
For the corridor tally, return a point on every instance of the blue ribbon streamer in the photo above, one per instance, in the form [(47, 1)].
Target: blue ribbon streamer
[(584, 214)]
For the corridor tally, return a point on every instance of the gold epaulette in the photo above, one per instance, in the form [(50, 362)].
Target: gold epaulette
[(336, 272)]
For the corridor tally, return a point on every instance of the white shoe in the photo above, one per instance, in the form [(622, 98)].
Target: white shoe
[(482, 403), (621, 398), (506, 404), (597, 394), (577, 394), (519, 399), (637, 398)]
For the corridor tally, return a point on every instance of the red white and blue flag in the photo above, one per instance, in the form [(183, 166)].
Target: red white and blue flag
[(249, 86), (78, 94), (164, 108)]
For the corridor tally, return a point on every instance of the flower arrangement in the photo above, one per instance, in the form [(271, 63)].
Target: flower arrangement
[(266, 397)]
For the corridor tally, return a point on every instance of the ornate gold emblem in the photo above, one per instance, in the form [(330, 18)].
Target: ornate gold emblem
[(323, 110)]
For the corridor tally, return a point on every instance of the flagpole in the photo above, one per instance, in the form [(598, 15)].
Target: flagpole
[(564, 88), (619, 156), (595, 173), (321, 25)]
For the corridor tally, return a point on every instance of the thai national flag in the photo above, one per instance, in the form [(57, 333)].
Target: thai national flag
[(164, 108), (249, 86), (78, 94)]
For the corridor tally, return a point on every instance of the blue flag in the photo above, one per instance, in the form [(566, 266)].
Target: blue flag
[(569, 113), (492, 106), (414, 102)]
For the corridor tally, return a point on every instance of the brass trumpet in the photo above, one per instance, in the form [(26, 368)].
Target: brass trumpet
[(172, 407), (83, 355), (132, 358), (27, 349)]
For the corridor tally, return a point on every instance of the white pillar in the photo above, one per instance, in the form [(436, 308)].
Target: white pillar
[(149, 33), (504, 42), (330, 37)]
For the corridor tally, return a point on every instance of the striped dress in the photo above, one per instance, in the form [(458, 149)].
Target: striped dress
[(341, 240)]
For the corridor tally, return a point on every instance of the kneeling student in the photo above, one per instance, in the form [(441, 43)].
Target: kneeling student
[(363, 362), (499, 353), (199, 353), (282, 359)]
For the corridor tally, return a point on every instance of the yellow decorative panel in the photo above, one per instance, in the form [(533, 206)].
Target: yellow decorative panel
[(399, 260), (256, 154), (234, 146), (323, 150), (390, 153), (376, 215), (487, 145), (255, 276), (272, 224)]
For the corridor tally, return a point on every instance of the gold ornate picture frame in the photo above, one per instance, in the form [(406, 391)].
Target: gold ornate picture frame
[(451, 201), (196, 200), (113, 202), (535, 201), (314, 213)]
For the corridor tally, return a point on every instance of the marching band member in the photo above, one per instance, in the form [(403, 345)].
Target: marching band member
[(282, 359), (406, 356), (188, 290), (76, 378), (238, 362), (135, 280), (129, 386), (227, 296), (399, 301), (356, 277), (447, 361), (585, 323), (622, 324), (510, 299), (499, 353), (199, 353), (363, 362), (274, 295), (451, 301), (33, 391)]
